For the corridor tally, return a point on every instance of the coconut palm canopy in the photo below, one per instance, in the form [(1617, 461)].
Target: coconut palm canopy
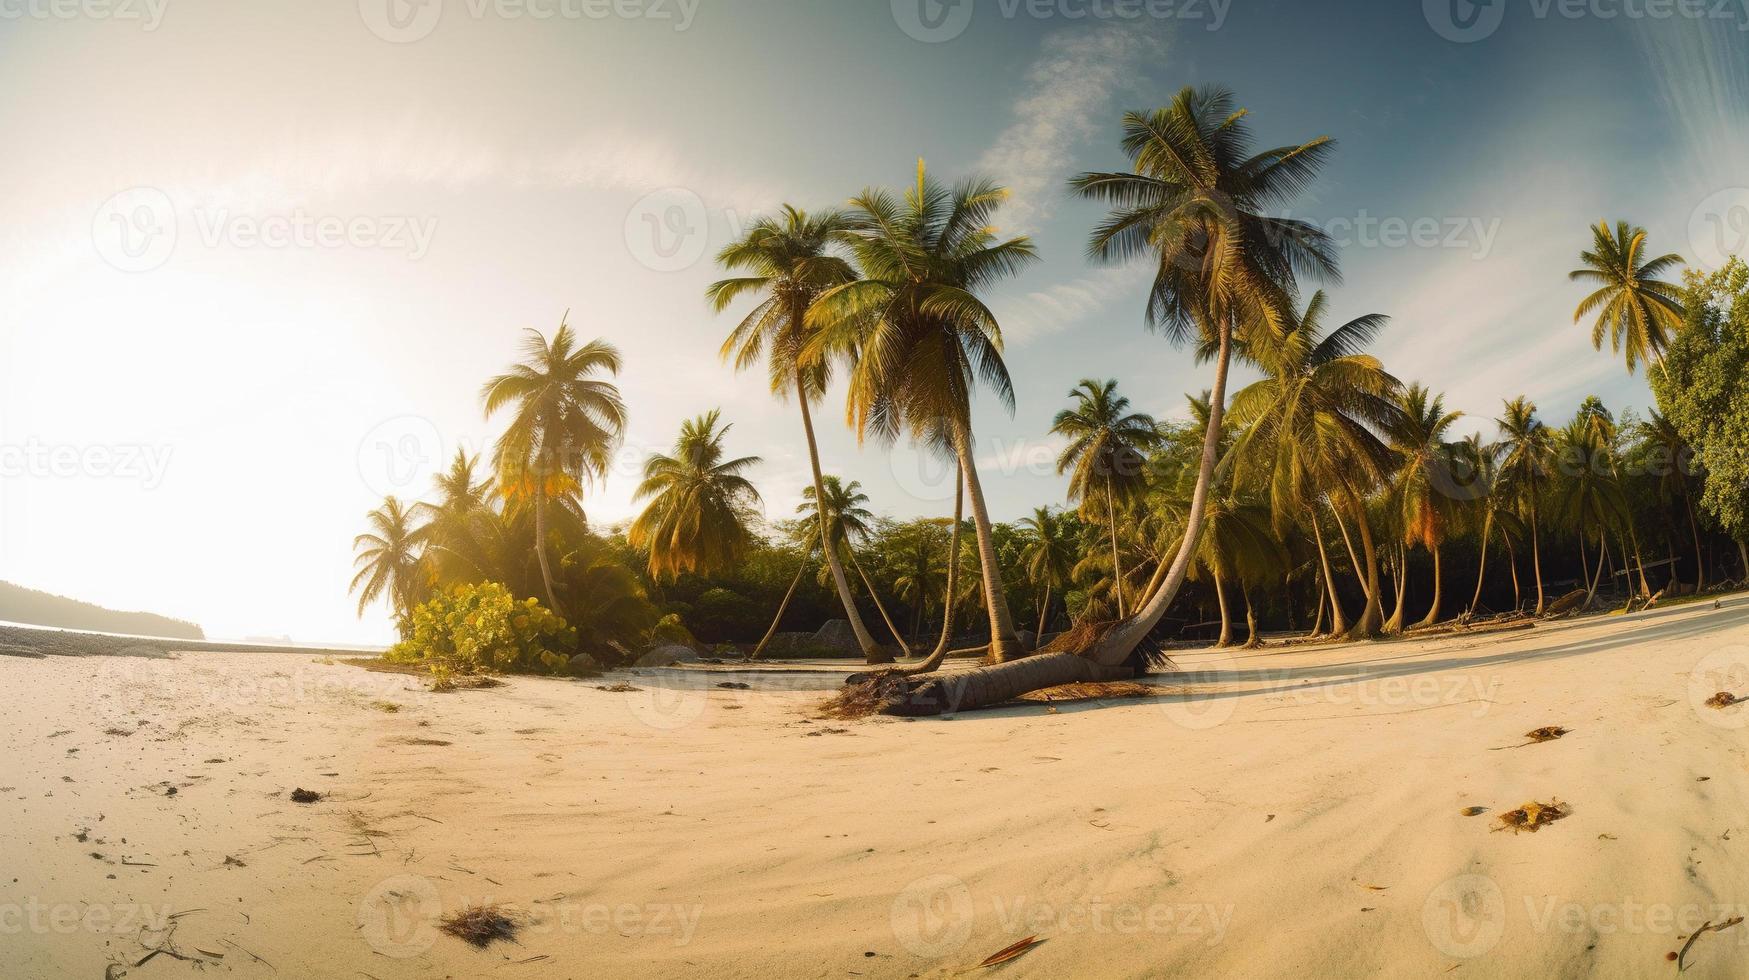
[(702, 505), (1634, 308)]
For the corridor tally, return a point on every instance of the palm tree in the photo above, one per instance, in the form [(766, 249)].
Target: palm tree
[(1481, 463), (701, 506), (1107, 449), (458, 492), (1312, 426), (1526, 450), (1675, 459), (789, 261), (1634, 307), (1425, 490), (1194, 203), (1587, 494), (391, 561), (1609, 438), (1049, 554), (846, 517), (918, 337), (565, 425)]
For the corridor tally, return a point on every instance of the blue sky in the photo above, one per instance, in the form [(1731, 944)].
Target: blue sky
[(226, 405)]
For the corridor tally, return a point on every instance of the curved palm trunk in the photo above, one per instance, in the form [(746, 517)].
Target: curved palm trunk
[(1318, 616), (1044, 611), (1602, 552), (1354, 561), (1252, 640), (871, 652), (880, 607), (1003, 645), (1639, 563), (1226, 638), (1438, 589), (1367, 625), (1512, 563), (1116, 561), (959, 690), (1536, 557), (1694, 529), (939, 654), (1399, 584), (1482, 562), (540, 550), (1117, 645), (782, 607), (1338, 621)]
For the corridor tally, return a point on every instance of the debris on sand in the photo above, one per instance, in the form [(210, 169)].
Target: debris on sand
[(386, 707), (234, 862), (1007, 953), (479, 925), (424, 741), (1682, 957), (1724, 699), (302, 795), (1533, 816), (119, 732), (1096, 691), (1547, 733), (734, 685), (1473, 811), (620, 688)]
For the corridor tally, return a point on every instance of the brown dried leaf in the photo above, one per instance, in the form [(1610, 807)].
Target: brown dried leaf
[(1005, 954)]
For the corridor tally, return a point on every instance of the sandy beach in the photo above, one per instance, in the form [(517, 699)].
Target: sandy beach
[(1297, 812)]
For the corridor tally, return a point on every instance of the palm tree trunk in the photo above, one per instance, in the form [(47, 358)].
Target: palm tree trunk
[(1694, 529), (1116, 561), (1252, 640), (1536, 558), (1602, 552), (1003, 646), (939, 654), (1639, 564), (871, 652), (1400, 584), (1117, 645), (1226, 638), (904, 648), (782, 607), (1482, 562), (1512, 563), (1044, 611), (1338, 622), (1433, 613), (1743, 554), (1318, 615), (1368, 624), (540, 549), (1348, 542)]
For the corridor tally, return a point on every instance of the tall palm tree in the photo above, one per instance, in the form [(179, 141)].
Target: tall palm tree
[(1049, 554), (1194, 204), (846, 517), (1481, 463), (701, 506), (391, 561), (563, 429), (1675, 460), (458, 491), (1588, 494), (1527, 448), (1426, 491), (1609, 438), (1313, 426), (1107, 450), (1637, 310), (788, 260), (920, 339)]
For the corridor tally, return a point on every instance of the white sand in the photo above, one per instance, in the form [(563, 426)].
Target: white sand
[(1304, 821)]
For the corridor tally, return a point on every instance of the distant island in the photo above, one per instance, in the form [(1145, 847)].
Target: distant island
[(28, 606)]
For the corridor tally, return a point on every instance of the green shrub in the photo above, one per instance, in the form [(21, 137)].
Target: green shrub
[(483, 627)]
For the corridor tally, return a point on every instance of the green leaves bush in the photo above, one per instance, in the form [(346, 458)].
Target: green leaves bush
[(482, 627)]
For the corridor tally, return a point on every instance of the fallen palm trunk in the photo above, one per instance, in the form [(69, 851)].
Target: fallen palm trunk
[(963, 690)]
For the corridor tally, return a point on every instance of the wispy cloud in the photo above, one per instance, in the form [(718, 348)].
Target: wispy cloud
[(1043, 312), (1070, 90)]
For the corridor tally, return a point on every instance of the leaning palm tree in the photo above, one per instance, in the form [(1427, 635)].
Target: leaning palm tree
[(918, 337), (1195, 204), (1527, 450), (1636, 309), (1107, 450), (1481, 465), (391, 561), (1049, 555), (846, 517), (788, 261), (1313, 426), (1425, 489), (564, 427), (701, 506)]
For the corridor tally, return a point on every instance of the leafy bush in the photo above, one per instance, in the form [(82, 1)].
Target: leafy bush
[(483, 627)]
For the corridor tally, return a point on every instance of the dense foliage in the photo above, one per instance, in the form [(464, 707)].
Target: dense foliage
[(473, 628)]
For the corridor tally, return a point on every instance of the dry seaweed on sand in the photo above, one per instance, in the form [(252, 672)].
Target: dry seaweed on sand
[(619, 688), (302, 795), (1533, 816), (1724, 699), (1536, 736), (1682, 957), (480, 925)]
